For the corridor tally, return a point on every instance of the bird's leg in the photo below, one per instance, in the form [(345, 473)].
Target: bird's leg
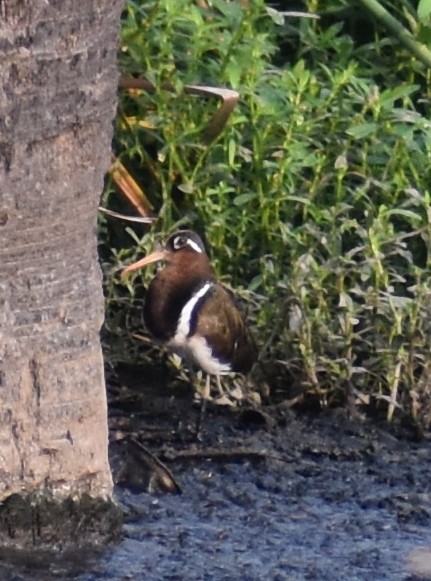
[(205, 397), (207, 393), (219, 387)]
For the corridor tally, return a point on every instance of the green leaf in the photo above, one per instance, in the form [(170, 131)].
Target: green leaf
[(424, 33), (388, 96), (186, 188), (363, 130), (406, 213), (196, 16), (243, 199), (276, 16), (298, 199), (424, 11), (231, 10), (233, 72)]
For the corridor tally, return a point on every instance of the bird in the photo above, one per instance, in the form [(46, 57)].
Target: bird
[(189, 311)]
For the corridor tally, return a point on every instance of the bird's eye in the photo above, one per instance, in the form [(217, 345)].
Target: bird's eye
[(179, 242)]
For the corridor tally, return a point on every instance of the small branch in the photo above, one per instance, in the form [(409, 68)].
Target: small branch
[(140, 219), (392, 24), (161, 473), (215, 454)]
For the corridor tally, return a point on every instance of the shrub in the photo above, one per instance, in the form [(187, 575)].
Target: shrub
[(315, 200)]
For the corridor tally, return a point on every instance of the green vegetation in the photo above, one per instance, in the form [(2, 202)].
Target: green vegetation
[(315, 199)]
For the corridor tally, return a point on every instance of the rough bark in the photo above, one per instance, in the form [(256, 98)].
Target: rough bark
[(57, 101)]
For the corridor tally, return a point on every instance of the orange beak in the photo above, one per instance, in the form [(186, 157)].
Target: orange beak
[(155, 256)]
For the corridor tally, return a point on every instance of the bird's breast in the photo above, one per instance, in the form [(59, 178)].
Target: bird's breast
[(199, 320), (190, 345)]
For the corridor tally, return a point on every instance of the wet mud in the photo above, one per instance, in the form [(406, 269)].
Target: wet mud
[(279, 495)]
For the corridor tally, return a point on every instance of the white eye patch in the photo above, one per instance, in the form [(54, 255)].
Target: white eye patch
[(178, 242)]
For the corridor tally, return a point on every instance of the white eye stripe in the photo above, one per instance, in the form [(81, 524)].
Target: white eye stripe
[(193, 245)]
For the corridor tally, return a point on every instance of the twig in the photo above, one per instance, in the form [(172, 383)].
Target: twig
[(215, 454), (391, 23), (162, 472), (141, 219)]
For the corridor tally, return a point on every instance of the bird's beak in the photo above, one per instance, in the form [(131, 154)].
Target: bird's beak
[(155, 256)]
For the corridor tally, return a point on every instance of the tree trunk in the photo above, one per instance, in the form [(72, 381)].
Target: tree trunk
[(57, 101)]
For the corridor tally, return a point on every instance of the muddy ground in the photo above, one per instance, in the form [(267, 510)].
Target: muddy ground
[(277, 496)]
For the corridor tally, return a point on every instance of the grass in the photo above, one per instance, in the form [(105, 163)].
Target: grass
[(315, 201)]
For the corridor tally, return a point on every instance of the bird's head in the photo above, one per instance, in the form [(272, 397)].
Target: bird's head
[(183, 247)]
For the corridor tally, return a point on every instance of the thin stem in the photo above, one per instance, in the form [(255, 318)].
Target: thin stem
[(392, 24)]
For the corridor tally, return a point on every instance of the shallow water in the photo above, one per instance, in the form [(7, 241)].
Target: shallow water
[(252, 529), (329, 499)]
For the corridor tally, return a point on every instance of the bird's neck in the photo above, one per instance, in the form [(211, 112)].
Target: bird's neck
[(171, 289)]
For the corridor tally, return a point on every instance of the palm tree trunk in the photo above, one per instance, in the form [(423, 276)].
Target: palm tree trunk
[(57, 101)]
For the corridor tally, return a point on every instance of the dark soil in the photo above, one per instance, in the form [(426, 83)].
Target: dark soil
[(275, 495)]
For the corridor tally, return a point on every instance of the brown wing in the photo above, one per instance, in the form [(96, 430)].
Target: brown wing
[(224, 327)]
